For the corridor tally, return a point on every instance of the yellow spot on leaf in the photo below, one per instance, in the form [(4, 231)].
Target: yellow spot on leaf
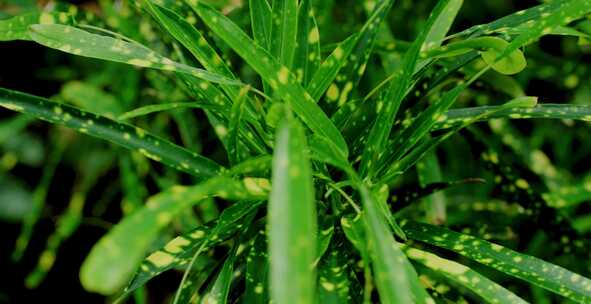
[(175, 246), (160, 259), (522, 183), (313, 36), (140, 62), (328, 286), (333, 92), (283, 75)]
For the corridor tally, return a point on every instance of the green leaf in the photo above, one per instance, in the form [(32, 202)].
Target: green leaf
[(387, 108), (192, 39), (511, 64), (549, 276), (421, 125), (79, 42), (235, 120), (118, 133), (322, 80), (256, 165), (566, 13), (334, 281), (221, 286), (490, 50), (180, 250), (429, 143), (279, 77), (442, 24), (307, 55), (284, 31), (17, 27), (396, 280), (257, 271), (39, 195), (543, 111), (429, 171), (117, 255), (461, 275), (149, 109), (195, 42), (292, 219), (91, 98), (260, 21), (514, 20), (356, 62)]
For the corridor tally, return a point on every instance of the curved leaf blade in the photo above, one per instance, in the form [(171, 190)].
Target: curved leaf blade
[(531, 269), (75, 41), (464, 276), (125, 135), (115, 257)]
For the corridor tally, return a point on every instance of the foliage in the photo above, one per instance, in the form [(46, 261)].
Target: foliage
[(271, 155)]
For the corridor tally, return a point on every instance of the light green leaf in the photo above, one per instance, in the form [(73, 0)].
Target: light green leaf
[(511, 64), (442, 25), (292, 219), (490, 50), (260, 21), (396, 279), (17, 27), (113, 260), (180, 250), (79, 42), (91, 98), (149, 109)]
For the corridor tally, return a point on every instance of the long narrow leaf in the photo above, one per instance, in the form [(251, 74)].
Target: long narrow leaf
[(113, 260), (260, 21), (396, 279), (543, 111), (121, 134), (525, 267), (79, 42), (464, 276), (566, 13), (284, 31), (307, 54), (17, 27), (292, 219), (180, 250)]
